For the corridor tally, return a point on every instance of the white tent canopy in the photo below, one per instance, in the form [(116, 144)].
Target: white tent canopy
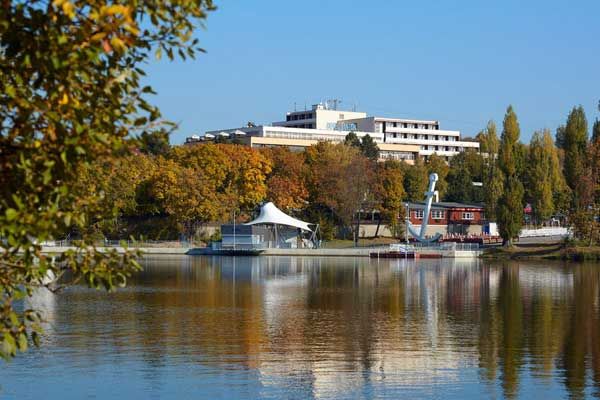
[(269, 214)]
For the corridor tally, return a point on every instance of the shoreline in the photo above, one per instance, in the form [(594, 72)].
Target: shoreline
[(543, 251), (323, 252), (144, 250)]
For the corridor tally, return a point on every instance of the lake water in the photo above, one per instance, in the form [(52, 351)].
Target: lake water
[(324, 328)]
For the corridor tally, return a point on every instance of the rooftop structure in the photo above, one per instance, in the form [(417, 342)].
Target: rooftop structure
[(397, 138)]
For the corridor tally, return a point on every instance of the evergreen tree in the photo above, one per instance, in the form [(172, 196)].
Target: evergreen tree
[(156, 143), (575, 147), (438, 165), (369, 148), (352, 140), (509, 212), (460, 180), (560, 137), (596, 131)]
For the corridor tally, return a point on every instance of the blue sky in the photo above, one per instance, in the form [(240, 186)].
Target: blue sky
[(460, 62)]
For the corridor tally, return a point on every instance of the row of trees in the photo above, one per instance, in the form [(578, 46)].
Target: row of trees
[(176, 190), (561, 176), (163, 192)]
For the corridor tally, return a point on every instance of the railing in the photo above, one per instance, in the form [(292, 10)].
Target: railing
[(238, 246), (447, 246), (552, 231), (119, 243)]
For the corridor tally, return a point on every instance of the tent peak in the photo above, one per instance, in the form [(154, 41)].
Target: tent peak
[(270, 214)]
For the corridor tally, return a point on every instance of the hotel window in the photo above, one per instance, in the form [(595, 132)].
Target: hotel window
[(394, 124), (468, 216), (437, 214), (419, 214)]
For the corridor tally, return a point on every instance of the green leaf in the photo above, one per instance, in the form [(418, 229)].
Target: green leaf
[(22, 343), (10, 91), (11, 214)]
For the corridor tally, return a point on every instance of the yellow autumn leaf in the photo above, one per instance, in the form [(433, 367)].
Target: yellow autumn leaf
[(117, 43), (116, 9), (132, 29), (68, 9), (98, 36), (64, 100)]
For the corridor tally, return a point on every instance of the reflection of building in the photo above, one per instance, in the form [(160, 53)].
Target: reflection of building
[(449, 218), (402, 139)]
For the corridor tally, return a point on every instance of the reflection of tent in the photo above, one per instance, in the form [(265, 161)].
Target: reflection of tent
[(269, 214)]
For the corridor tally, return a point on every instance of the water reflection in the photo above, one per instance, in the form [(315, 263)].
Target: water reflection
[(329, 327)]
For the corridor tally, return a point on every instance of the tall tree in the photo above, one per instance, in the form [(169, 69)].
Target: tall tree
[(493, 184), (596, 131), (389, 192), (71, 92), (560, 137), (460, 180), (542, 180), (575, 153), (585, 219), (184, 195), (415, 180), (286, 184), (352, 140), (369, 148), (236, 174), (465, 168), (340, 178), (510, 205), (154, 142), (437, 164)]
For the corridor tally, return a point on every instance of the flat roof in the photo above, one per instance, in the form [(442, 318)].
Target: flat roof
[(446, 205), (410, 121)]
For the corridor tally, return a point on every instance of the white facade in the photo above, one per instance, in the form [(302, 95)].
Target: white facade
[(321, 117), (322, 123), (426, 134)]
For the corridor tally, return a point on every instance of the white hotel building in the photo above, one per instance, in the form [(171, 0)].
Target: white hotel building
[(397, 138)]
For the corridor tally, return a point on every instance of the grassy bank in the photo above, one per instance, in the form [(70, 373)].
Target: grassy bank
[(550, 251)]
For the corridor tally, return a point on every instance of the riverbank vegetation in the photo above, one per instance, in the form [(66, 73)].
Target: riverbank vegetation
[(168, 192), (566, 250)]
